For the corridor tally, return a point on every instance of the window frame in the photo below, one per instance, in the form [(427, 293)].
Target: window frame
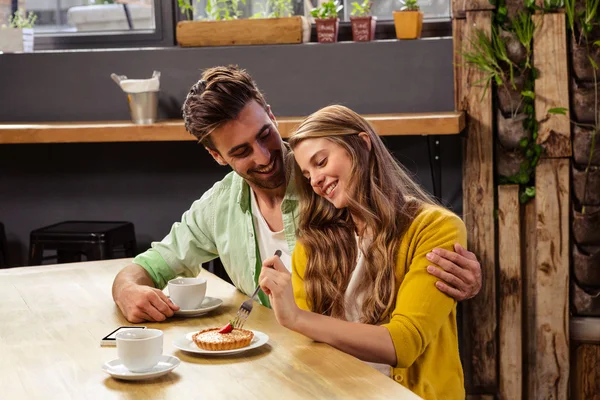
[(167, 14), (163, 35)]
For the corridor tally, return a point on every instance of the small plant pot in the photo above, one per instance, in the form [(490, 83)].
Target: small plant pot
[(16, 40), (509, 98), (514, 49), (588, 195), (582, 144), (583, 100), (408, 24), (586, 303), (582, 68), (508, 162), (586, 265), (327, 29), (586, 227), (511, 130), (363, 28)]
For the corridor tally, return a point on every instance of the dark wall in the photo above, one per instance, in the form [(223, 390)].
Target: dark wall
[(152, 184), (376, 77)]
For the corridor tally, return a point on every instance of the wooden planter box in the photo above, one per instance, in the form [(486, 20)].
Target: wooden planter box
[(286, 30)]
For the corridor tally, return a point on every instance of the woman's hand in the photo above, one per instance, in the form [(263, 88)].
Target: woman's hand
[(275, 280)]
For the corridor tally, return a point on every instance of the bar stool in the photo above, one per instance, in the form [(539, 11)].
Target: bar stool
[(3, 247), (97, 240)]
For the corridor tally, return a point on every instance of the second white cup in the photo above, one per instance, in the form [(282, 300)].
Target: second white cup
[(187, 293), (139, 349)]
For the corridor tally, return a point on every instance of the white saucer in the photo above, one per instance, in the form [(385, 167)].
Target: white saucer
[(116, 369), (208, 304), (186, 343)]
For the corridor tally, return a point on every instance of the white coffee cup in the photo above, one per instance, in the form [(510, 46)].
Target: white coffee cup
[(187, 293), (139, 349)]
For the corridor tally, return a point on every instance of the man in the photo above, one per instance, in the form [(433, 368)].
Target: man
[(249, 214)]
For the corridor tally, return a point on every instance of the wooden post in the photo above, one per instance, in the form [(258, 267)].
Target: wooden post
[(586, 385), (460, 7), (478, 188), (529, 285), (458, 40), (552, 85), (552, 279), (511, 293)]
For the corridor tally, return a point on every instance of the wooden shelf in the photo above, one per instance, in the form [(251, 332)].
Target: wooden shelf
[(444, 123)]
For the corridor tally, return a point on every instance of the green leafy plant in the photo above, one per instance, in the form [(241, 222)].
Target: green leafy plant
[(501, 14), (186, 8), (490, 57), (409, 5), (362, 9), (22, 19), (329, 9), (552, 5), (524, 29), (280, 8), (223, 10), (275, 9), (581, 25)]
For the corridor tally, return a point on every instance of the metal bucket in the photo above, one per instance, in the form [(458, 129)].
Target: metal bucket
[(143, 107)]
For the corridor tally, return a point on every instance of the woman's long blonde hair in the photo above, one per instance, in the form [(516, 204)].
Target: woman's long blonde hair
[(386, 199)]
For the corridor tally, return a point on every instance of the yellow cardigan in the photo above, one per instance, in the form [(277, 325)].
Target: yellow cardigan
[(423, 324)]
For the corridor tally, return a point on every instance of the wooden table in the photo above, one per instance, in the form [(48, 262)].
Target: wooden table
[(54, 316)]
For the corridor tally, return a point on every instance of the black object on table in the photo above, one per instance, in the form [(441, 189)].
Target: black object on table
[(3, 247), (96, 240)]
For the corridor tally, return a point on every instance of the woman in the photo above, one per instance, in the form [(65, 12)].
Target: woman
[(359, 277)]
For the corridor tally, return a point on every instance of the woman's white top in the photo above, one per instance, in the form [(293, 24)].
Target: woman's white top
[(354, 303)]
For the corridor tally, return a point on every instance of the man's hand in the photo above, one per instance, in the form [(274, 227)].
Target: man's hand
[(143, 303), (137, 299), (460, 274)]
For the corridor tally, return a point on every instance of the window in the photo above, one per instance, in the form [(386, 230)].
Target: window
[(87, 16), (80, 24), (382, 9)]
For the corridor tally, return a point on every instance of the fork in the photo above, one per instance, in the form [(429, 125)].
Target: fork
[(246, 307)]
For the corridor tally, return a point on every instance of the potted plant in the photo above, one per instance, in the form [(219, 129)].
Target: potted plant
[(224, 26), (327, 21), (363, 23), (409, 20), (18, 36)]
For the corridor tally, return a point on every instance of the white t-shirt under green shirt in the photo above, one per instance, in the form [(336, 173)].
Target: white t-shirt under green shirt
[(269, 241)]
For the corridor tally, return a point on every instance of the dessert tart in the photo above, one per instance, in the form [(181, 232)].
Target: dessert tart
[(214, 339)]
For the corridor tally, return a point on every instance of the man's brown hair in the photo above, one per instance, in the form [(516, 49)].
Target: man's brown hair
[(217, 98)]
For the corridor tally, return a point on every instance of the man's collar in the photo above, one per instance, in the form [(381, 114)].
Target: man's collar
[(290, 192)]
